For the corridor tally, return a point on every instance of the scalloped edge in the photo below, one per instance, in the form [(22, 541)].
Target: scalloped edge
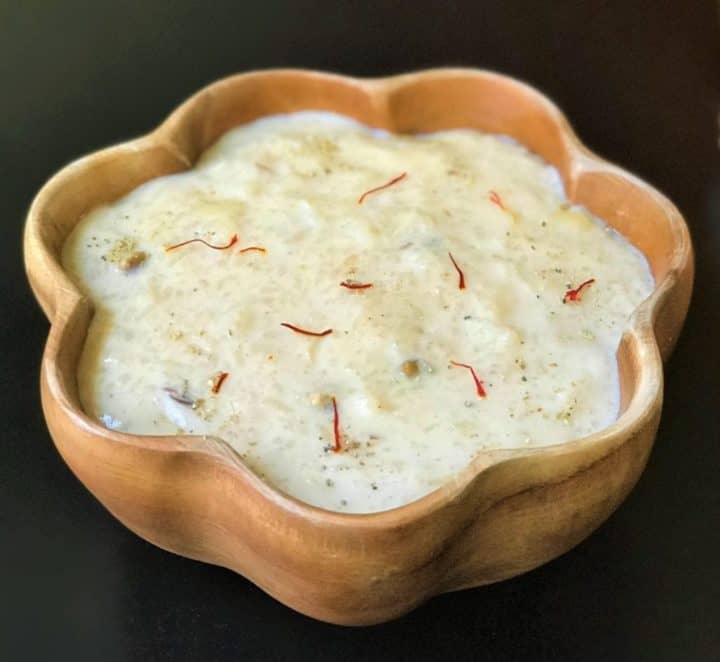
[(349, 568)]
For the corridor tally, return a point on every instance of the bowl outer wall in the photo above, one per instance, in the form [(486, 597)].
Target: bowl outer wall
[(508, 512)]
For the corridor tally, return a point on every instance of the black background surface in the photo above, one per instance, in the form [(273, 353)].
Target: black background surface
[(639, 81)]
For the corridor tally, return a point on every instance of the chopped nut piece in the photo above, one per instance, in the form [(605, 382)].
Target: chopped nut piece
[(410, 368), (125, 255), (321, 399), (203, 408), (132, 261), (120, 249)]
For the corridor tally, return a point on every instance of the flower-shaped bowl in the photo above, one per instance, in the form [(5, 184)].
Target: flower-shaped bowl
[(507, 512)]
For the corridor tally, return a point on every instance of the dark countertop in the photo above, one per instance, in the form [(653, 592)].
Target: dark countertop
[(639, 81)]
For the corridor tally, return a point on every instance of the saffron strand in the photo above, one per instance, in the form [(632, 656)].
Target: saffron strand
[(577, 293), (218, 382), (478, 384), (305, 332), (392, 182), (351, 285), (497, 200), (232, 242), (336, 428), (461, 275)]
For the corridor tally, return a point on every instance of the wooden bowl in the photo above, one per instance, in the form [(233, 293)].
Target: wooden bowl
[(508, 512)]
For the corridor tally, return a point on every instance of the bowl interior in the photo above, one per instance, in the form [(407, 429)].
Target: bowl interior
[(406, 104)]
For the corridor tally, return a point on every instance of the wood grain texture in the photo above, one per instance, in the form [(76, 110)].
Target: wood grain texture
[(507, 512)]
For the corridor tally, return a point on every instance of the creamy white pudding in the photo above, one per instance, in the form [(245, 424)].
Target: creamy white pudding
[(457, 303)]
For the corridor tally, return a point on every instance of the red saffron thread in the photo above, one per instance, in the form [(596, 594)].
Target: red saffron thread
[(233, 241), (218, 382), (393, 181), (336, 428), (175, 395), (577, 293), (497, 200), (355, 286), (461, 279), (297, 329), (259, 249), (478, 384)]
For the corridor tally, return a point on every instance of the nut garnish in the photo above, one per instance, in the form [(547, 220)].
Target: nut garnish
[(410, 368), (133, 260), (320, 399)]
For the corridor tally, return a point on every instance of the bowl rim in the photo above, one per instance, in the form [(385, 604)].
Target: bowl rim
[(65, 300)]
